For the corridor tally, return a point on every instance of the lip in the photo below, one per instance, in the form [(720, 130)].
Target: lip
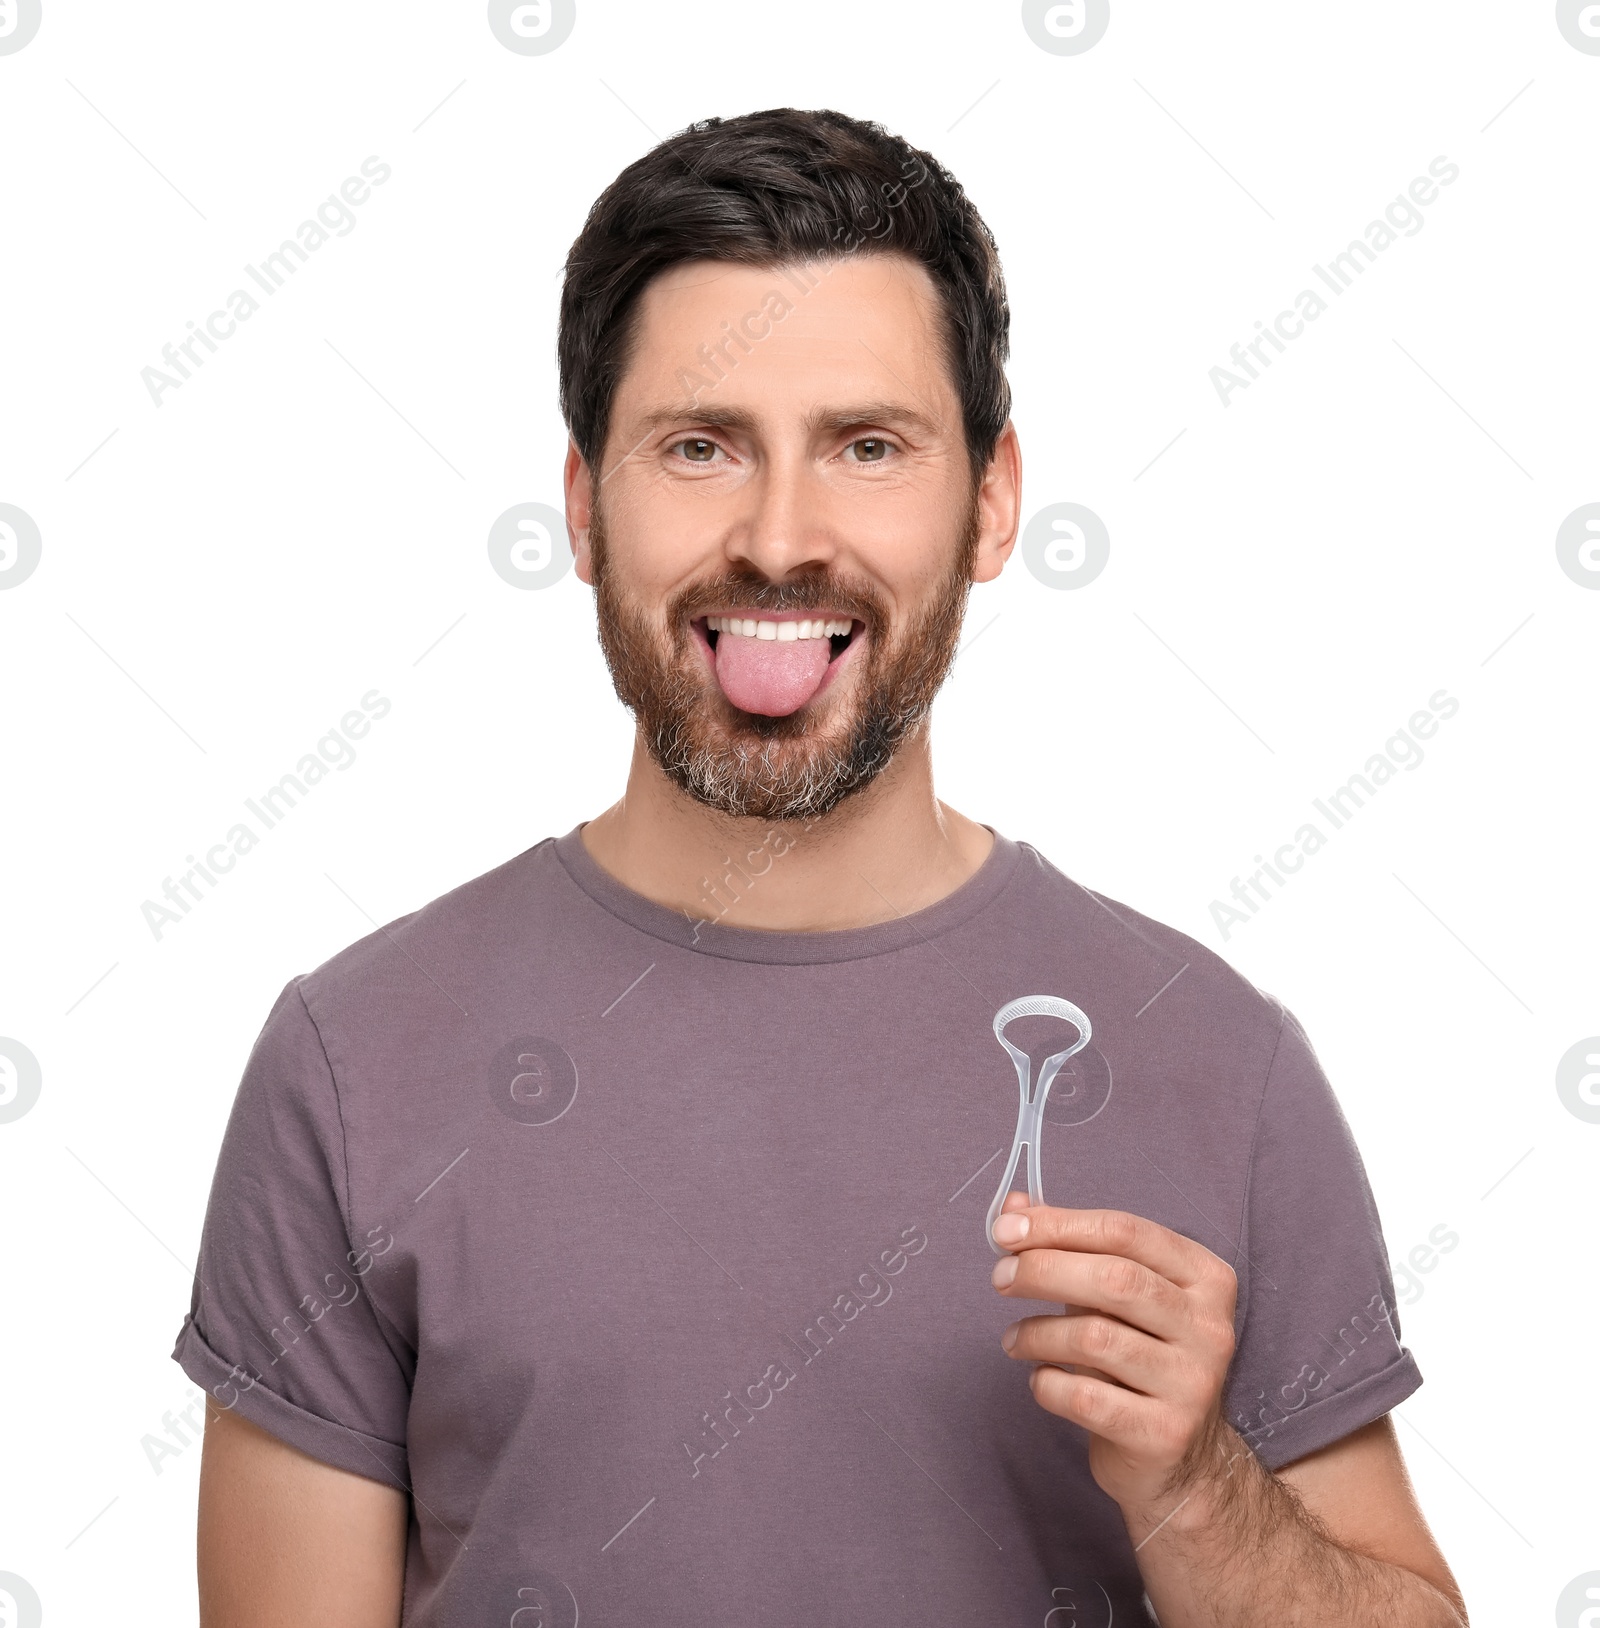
[(755, 614), (858, 637)]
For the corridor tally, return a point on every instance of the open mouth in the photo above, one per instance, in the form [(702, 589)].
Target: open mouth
[(775, 664)]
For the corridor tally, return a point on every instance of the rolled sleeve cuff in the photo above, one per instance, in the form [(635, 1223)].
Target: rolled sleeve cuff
[(1334, 1417), (235, 1388)]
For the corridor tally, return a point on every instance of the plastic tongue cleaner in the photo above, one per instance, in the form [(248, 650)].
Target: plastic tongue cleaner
[(1030, 1116)]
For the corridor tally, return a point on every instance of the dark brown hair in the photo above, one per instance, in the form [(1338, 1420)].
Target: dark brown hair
[(766, 189)]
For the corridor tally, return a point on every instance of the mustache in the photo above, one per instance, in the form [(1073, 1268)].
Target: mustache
[(819, 591)]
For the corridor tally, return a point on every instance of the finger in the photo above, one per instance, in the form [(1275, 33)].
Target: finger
[(1104, 1283), (1139, 1425), (1105, 1348), (1014, 1200), (1089, 1373), (1112, 1232)]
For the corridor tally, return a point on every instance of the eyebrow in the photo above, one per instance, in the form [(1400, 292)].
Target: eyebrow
[(887, 413)]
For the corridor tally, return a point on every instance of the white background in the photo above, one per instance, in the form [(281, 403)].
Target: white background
[(1370, 522)]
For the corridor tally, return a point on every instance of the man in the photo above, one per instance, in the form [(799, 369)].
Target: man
[(614, 1235)]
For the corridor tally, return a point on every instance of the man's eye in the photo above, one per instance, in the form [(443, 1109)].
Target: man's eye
[(696, 451), (870, 449)]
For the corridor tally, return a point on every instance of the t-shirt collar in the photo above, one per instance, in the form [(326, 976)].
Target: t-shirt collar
[(707, 935)]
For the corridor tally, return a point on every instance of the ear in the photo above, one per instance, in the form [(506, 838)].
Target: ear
[(578, 484), (999, 507)]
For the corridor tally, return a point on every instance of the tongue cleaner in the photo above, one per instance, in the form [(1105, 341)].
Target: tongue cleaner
[(770, 676), (1030, 1116)]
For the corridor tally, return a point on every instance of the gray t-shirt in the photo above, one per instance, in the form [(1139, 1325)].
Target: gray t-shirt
[(648, 1253)]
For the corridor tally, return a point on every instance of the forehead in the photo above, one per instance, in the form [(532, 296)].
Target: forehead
[(864, 321)]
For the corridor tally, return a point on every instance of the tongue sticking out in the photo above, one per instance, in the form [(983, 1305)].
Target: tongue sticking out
[(770, 676)]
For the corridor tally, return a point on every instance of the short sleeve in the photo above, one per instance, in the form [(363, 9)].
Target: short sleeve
[(281, 1325), (1318, 1350)]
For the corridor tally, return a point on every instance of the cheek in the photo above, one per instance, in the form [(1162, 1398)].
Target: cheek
[(663, 541), (637, 561), (904, 547), (910, 537)]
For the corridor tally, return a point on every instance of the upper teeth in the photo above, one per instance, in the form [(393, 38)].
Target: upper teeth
[(748, 628)]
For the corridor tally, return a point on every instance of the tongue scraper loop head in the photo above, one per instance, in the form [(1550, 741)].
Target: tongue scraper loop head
[(1030, 1116)]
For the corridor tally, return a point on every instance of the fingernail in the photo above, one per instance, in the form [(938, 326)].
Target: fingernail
[(1009, 1338), (1010, 1229), (1004, 1271)]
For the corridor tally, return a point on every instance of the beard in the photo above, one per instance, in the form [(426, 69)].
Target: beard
[(800, 766)]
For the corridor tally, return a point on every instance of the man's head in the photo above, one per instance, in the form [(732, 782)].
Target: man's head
[(782, 364)]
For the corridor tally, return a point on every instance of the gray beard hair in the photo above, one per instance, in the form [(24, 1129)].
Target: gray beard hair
[(752, 781)]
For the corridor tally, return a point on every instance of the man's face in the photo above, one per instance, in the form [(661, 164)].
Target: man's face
[(783, 528)]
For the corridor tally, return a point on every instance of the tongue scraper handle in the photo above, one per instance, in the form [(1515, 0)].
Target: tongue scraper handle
[(1030, 1115)]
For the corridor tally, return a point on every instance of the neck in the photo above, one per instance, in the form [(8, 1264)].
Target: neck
[(890, 849)]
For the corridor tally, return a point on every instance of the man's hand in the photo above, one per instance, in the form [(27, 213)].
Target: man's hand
[(1141, 1351), (1139, 1358)]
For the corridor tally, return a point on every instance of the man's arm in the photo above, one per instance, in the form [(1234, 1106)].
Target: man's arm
[(1139, 1359), (1336, 1537), (1358, 1488), (286, 1540)]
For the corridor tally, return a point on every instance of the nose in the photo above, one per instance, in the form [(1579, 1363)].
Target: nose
[(784, 527)]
